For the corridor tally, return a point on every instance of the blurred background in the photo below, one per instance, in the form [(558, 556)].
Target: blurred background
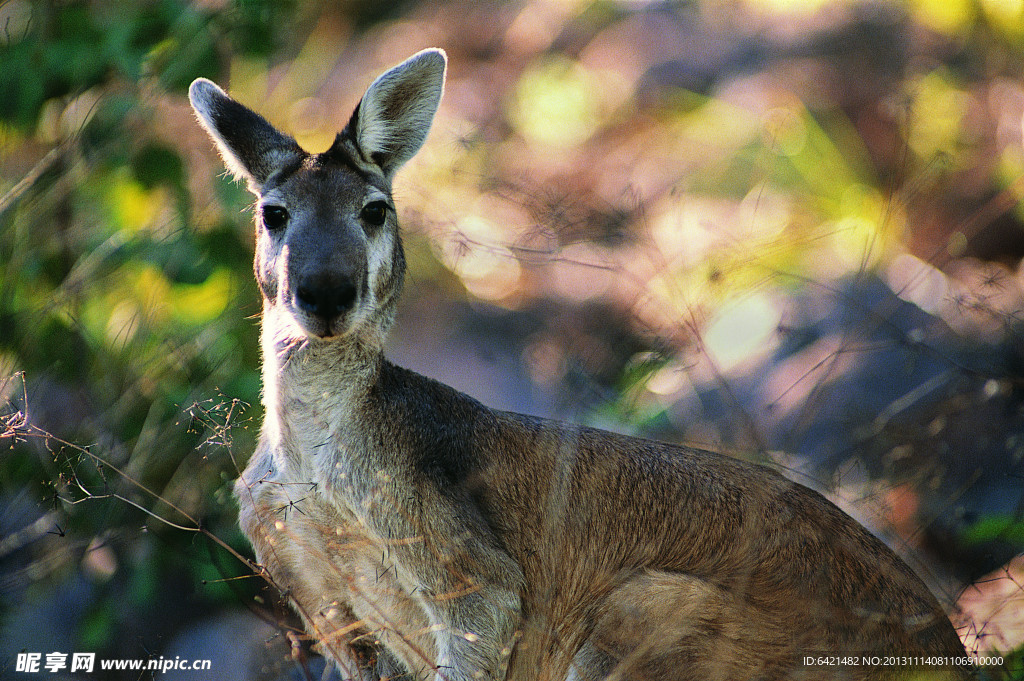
[(790, 230)]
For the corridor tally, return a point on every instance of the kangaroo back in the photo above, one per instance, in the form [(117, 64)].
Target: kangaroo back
[(420, 534)]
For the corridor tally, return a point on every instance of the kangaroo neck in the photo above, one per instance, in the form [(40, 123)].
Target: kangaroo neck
[(316, 383)]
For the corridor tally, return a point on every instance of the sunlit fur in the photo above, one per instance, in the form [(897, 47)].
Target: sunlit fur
[(420, 534)]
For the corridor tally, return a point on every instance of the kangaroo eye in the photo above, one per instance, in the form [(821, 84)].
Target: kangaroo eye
[(374, 213), (275, 217)]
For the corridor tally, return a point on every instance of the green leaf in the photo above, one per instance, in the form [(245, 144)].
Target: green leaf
[(995, 528)]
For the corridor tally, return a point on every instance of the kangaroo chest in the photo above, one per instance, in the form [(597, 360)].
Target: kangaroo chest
[(345, 578), (317, 433)]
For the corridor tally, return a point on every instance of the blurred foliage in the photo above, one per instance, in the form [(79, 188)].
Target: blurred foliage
[(682, 206), (123, 313), (1002, 528)]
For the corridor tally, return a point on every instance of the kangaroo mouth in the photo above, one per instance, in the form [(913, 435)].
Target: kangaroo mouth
[(322, 328), (323, 331)]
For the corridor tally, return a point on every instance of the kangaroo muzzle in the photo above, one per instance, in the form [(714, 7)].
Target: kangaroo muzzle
[(323, 294), (326, 300)]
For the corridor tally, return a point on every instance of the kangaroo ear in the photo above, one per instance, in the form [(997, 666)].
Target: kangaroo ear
[(392, 121), (251, 147)]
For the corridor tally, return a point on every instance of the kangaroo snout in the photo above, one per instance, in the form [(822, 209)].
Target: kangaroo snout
[(323, 300), (323, 266), (326, 300)]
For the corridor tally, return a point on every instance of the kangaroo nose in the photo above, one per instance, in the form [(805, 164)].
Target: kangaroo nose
[(326, 301)]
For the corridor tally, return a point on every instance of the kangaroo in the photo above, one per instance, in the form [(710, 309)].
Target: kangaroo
[(422, 535)]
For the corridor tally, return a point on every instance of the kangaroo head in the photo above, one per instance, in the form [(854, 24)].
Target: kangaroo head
[(329, 257)]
